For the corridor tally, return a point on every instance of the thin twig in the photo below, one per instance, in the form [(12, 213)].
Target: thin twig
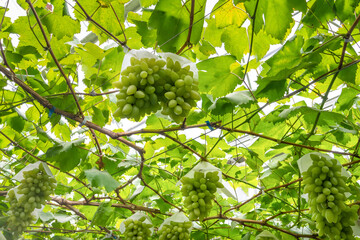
[(279, 141), (188, 42), (184, 146), (341, 62), (263, 223), (62, 201), (44, 102), (159, 131), (90, 19), (48, 46), (39, 159)]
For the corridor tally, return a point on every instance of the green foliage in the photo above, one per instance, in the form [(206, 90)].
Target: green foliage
[(278, 79)]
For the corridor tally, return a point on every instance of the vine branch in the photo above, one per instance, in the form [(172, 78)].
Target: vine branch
[(187, 42), (48, 47)]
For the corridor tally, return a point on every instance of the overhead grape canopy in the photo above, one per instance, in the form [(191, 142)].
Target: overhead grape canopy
[(244, 87)]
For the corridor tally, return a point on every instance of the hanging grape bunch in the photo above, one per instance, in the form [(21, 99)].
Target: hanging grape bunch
[(149, 84), (19, 216), (175, 231), (137, 229), (181, 90), (139, 87), (326, 188), (199, 193), (34, 189)]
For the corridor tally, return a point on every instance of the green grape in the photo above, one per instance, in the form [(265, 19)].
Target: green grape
[(167, 85), (137, 229), (34, 190), (178, 110), (143, 74), (139, 94), (188, 80), (127, 109), (172, 103), (326, 189), (198, 196), (170, 95), (179, 83), (175, 231)]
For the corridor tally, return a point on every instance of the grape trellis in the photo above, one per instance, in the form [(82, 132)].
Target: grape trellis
[(67, 104)]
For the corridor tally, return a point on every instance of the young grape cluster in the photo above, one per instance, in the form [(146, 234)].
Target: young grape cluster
[(19, 216), (199, 193), (181, 90), (326, 188), (137, 229), (35, 188), (175, 231), (149, 84)]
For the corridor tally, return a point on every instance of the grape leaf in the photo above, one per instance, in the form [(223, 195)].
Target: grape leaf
[(101, 179)]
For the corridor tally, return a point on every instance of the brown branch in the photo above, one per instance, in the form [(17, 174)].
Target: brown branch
[(277, 187), (355, 150), (184, 146), (60, 230), (90, 19), (139, 175), (187, 42), (346, 37), (127, 183), (325, 75), (122, 29), (92, 94), (243, 203), (351, 163), (285, 142), (4, 58), (157, 193), (263, 223), (69, 206), (39, 159), (65, 202), (159, 131), (44, 102), (282, 213), (48, 46), (284, 185)]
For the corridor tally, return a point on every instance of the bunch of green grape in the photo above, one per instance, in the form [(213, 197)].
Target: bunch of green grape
[(137, 229), (139, 86), (34, 189), (326, 189), (19, 216), (175, 231), (181, 91), (147, 84), (199, 193)]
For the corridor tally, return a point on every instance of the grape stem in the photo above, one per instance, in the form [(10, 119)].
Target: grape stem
[(48, 47), (285, 142), (44, 102), (90, 19), (188, 42), (263, 223), (184, 146)]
